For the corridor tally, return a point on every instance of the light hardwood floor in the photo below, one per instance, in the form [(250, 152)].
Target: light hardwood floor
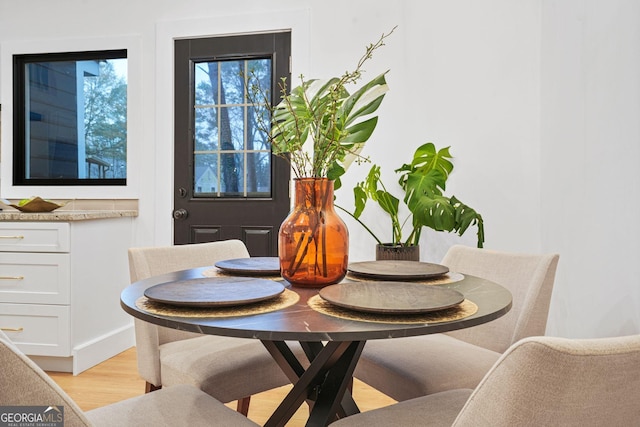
[(117, 379)]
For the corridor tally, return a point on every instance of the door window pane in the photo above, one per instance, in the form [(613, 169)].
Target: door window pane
[(231, 76), (206, 178), (206, 131), (258, 172), (232, 128)]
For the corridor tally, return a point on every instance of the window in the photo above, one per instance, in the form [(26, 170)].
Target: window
[(70, 118), (232, 156)]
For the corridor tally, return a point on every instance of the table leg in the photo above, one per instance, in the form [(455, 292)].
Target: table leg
[(312, 349), (333, 400), (285, 358), (326, 380)]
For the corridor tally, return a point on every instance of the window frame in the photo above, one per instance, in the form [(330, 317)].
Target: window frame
[(20, 119), (243, 152), (135, 111)]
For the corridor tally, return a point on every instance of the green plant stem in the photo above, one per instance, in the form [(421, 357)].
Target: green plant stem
[(360, 222), (414, 237)]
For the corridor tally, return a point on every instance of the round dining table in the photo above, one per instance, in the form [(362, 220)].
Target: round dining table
[(332, 337)]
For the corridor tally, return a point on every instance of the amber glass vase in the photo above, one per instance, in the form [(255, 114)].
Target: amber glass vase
[(313, 243)]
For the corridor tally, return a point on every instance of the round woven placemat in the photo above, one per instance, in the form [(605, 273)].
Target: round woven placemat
[(440, 280), (216, 272), (465, 309), (285, 299)]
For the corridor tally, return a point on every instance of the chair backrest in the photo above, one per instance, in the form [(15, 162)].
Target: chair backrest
[(530, 280), (153, 261), (145, 262), (23, 383), (546, 381)]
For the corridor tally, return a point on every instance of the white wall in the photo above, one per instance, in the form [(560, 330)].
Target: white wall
[(538, 100), (590, 170)]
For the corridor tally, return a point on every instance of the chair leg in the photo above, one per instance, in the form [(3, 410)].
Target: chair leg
[(148, 387), (243, 405)]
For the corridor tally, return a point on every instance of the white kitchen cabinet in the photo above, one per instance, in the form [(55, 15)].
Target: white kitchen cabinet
[(60, 284)]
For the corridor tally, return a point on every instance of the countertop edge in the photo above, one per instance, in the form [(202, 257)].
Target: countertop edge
[(63, 215)]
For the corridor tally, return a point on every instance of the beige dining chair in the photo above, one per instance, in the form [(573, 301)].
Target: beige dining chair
[(226, 368), (406, 368), (539, 381), (23, 383)]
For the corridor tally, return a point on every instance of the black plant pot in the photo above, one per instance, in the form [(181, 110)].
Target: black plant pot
[(388, 251)]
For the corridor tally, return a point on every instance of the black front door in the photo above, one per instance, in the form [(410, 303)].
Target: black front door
[(228, 185)]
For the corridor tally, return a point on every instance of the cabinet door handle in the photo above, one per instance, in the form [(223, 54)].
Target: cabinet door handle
[(12, 237), (11, 277), (12, 329)]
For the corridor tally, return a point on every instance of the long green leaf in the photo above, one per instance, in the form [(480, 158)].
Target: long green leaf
[(360, 200), (388, 202), (376, 88), (436, 213), (467, 216), (360, 132)]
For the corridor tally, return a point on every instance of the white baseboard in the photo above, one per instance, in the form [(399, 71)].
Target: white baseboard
[(53, 364), (89, 354), (102, 348)]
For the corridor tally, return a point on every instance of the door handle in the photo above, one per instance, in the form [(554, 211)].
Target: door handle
[(180, 214)]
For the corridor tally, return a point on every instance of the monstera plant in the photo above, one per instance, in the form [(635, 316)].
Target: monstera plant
[(424, 183)]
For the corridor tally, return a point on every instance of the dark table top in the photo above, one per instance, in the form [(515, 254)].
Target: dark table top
[(299, 322)]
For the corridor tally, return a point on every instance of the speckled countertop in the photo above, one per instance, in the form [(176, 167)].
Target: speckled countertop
[(74, 210), (65, 215)]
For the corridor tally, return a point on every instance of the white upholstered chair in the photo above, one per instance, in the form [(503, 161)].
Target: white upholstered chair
[(406, 368), (539, 381), (23, 383), (226, 368)]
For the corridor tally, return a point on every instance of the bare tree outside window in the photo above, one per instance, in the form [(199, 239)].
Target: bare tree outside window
[(105, 121)]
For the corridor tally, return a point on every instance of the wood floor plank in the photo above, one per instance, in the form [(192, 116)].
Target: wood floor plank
[(117, 379)]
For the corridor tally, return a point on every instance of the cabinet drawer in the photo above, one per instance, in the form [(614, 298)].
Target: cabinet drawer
[(39, 330), (34, 237), (35, 278)]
